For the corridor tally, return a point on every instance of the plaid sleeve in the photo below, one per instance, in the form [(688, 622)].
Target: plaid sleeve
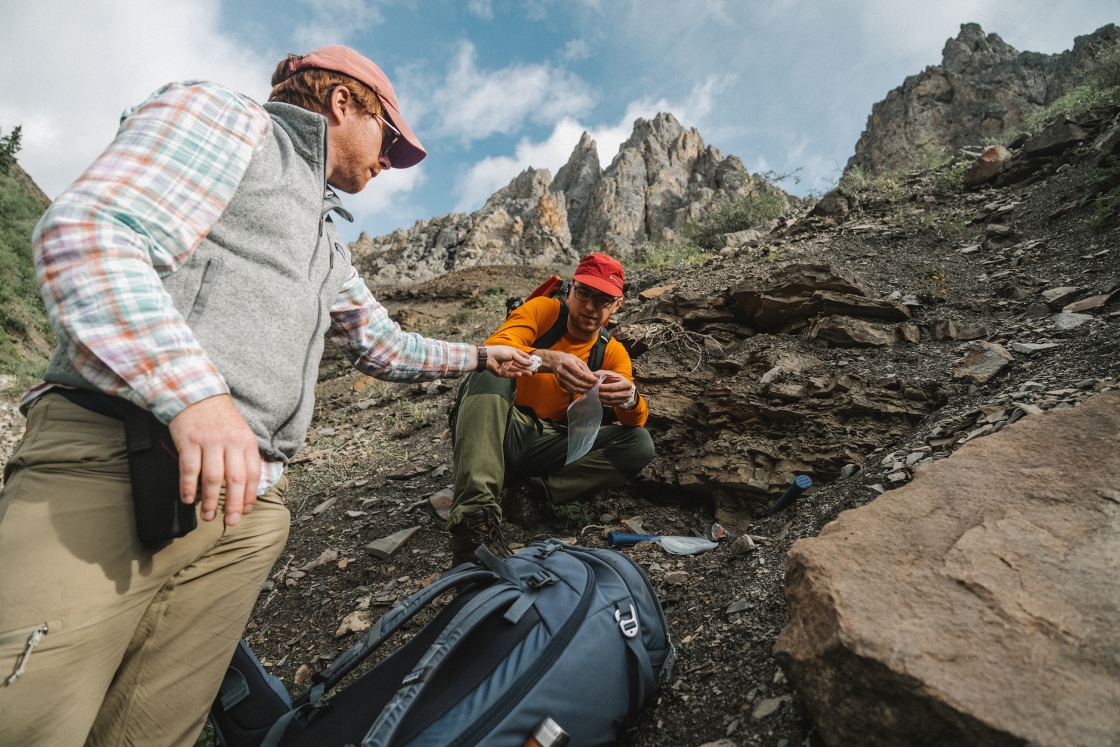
[(133, 217), (375, 344)]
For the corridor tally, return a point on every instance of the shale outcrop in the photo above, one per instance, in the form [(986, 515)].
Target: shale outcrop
[(983, 89), (976, 605), (663, 177)]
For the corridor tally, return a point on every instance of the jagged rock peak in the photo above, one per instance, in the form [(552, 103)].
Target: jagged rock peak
[(984, 88), (521, 223), (663, 176)]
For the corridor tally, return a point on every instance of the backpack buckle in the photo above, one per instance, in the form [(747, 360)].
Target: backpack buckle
[(540, 579), (628, 625)]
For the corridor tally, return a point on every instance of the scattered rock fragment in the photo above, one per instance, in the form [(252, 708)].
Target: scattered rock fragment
[(1057, 298), (356, 622), (327, 556), (1066, 321), (324, 505), (386, 546), (983, 361), (1090, 304), (676, 578), (769, 706), (1054, 139), (441, 502), (1030, 348), (844, 331)]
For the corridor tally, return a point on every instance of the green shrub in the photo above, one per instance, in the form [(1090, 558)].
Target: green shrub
[(885, 187), (574, 515), (731, 212), (1100, 87), (668, 255)]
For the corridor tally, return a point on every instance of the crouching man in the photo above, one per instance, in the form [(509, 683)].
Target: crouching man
[(508, 430)]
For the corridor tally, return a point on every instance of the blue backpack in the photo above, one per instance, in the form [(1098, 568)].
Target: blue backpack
[(569, 633)]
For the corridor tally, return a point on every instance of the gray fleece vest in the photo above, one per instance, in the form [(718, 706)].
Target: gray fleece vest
[(257, 291)]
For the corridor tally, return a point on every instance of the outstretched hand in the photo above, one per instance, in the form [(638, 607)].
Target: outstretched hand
[(216, 444), (507, 362)]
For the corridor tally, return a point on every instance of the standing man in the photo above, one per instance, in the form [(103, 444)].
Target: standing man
[(191, 275), (507, 431)]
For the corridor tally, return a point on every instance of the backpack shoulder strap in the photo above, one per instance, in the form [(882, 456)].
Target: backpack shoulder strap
[(599, 350), (556, 331)]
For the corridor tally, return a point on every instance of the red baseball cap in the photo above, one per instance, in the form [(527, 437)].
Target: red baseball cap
[(407, 151), (601, 272)]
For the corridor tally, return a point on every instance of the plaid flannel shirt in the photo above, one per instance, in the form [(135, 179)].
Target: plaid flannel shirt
[(136, 215)]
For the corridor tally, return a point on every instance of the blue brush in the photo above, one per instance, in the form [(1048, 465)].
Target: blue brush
[(800, 485)]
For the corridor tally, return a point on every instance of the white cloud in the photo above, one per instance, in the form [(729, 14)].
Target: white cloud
[(482, 8), (99, 58), (575, 49), (382, 201), (494, 172), (335, 22), (473, 104)]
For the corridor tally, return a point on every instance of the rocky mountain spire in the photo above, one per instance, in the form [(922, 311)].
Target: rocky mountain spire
[(662, 176), (983, 88)]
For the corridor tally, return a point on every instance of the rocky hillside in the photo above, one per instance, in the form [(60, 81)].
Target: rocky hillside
[(982, 90), (26, 339), (662, 177), (887, 351)]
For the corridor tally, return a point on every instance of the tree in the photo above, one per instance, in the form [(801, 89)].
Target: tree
[(9, 146)]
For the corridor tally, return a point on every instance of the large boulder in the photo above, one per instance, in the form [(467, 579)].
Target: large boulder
[(987, 166), (977, 606)]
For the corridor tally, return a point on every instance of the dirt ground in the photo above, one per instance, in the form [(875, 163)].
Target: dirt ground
[(376, 452)]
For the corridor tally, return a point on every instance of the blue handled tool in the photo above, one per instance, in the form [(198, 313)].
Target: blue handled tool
[(621, 538), (675, 545), (800, 485)]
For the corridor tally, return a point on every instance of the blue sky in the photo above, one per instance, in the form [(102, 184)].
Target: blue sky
[(493, 86)]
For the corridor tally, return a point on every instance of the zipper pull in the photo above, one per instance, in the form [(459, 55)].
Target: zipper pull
[(32, 642), (321, 219), (332, 259)]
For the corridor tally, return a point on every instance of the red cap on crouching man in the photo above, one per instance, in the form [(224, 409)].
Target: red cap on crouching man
[(407, 151), (601, 272)]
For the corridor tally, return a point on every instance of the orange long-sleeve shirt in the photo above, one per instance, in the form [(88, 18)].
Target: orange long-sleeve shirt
[(543, 392)]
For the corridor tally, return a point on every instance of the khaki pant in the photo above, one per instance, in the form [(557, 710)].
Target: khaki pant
[(137, 640), (497, 444)]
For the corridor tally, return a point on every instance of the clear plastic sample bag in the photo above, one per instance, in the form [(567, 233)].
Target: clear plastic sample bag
[(585, 415)]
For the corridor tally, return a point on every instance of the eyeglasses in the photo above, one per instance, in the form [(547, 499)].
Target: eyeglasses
[(388, 142), (598, 300)]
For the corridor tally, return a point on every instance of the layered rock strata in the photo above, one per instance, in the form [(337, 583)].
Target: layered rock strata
[(975, 606)]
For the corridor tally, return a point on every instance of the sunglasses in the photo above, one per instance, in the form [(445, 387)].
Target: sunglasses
[(388, 142)]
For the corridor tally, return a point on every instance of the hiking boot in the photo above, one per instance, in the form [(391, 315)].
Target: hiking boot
[(477, 528), (523, 504)]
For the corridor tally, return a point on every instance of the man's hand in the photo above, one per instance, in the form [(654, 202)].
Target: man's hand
[(507, 362), (216, 443), (571, 373), (614, 390)]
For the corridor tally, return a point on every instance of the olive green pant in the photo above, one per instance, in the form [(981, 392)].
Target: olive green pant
[(137, 639), (497, 443)]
